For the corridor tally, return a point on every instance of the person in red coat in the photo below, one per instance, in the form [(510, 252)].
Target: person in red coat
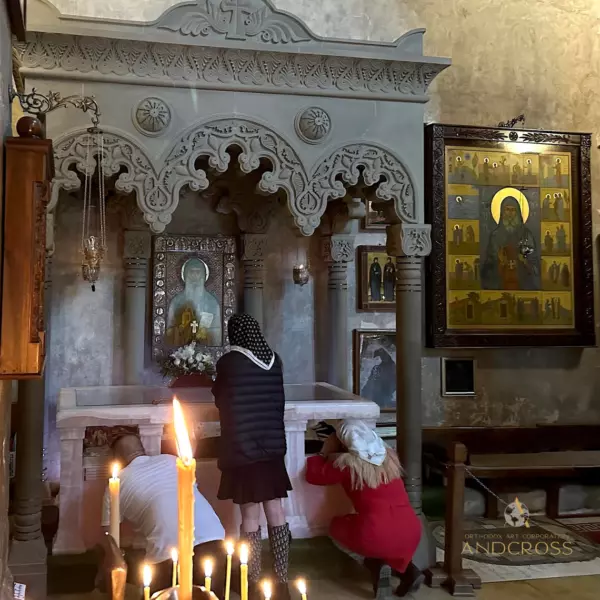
[(384, 532)]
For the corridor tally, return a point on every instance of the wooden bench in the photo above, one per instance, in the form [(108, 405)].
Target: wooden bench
[(503, 458)]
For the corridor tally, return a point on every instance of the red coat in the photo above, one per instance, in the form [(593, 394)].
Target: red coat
[(384, 526)]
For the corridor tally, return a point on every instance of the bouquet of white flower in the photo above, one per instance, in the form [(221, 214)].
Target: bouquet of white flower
[(187, 360)]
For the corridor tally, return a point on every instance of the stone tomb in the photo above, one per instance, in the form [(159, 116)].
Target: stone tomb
[(84, 478)]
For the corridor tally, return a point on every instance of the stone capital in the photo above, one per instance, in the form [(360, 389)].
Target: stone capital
[(137, 245), (338, 248), (254, 246), (407, 239)]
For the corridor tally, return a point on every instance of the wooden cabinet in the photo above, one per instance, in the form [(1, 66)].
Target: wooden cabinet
[(28, 172)]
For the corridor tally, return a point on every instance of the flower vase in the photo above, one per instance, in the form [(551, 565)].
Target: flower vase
[(192, 380)]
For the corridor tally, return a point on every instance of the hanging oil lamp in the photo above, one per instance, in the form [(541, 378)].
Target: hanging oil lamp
[(93, 236)]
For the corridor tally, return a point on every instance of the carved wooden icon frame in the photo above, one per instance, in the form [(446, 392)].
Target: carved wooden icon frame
[(535, 306), (364, 300), (170, 255)]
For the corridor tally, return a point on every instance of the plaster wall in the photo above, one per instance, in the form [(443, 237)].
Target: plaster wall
[(538, 57), (5, 386)]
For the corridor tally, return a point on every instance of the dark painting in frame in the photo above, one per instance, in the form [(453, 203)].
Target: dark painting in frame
[(374, 220), (512, 259), (376, 279), (374, 366)]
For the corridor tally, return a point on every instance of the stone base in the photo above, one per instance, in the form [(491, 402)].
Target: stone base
[(27, 562), (462, 585)]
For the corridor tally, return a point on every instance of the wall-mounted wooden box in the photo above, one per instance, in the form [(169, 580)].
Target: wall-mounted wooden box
[(28, 172)]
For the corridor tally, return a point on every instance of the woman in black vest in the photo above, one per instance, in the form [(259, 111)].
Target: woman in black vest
[(249, 395)]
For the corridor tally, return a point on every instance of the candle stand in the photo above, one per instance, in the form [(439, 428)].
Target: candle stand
[(172, 593)]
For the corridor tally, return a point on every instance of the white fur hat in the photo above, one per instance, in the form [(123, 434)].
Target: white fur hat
[(362, 441)]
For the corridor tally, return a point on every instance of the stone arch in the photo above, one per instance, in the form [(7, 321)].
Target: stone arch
[(119, 150), (376, 163), (256, 141)]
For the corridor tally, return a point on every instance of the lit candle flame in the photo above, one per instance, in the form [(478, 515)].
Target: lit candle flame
[(244, 554), (174, 555), (147, 574), (184, 447), (229, 547), (267, 590), (301, 585), (115, 470), (208, 567)]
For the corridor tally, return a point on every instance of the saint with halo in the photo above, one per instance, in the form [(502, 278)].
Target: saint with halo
[(194, 313), (511, 258)]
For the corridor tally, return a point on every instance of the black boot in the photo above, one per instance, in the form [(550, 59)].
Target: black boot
[(280, 539), (381, 578), (410, 580), (254, 541)]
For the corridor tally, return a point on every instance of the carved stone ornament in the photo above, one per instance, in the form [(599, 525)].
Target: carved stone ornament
[(409, 240), (152, 116), (206, 67), (137, 244), (254, 246), (377, 165), (313, 125), (236, 20), (158, 188), (338, 248)]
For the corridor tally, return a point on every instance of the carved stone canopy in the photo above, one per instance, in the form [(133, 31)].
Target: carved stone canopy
[(259, 64), (158, 187)]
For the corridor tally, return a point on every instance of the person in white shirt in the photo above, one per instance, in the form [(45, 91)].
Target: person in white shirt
[(148, 501)]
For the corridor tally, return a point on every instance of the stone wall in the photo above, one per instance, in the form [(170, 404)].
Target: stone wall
[(5, 386)]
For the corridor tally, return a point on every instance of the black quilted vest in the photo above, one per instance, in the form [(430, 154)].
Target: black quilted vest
[(251, 402)]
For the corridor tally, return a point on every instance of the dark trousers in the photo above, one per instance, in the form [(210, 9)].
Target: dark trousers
[(163, 572)]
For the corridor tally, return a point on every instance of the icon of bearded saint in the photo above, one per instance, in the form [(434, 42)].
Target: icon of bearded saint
[(511, 260)]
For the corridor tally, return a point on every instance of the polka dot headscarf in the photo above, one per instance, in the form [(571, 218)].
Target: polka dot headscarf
[(244, 331)]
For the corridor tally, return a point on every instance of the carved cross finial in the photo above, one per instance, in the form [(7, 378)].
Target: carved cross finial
[(239, 12), (194, 326)]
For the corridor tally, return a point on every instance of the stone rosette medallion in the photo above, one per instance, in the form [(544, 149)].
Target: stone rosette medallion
[(152, 116), (313, 125)]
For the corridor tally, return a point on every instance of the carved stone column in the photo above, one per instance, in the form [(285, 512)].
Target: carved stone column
[(409, 244), (28, 553), (253, 260), (136, 253), (338, 251)]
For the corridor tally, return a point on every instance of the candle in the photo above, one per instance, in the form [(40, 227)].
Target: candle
[(244, 572), (174, 558), (186, 480), (207, 573), (267, 590), (301, 585), (147, 576), (230, 550), (114, 488)]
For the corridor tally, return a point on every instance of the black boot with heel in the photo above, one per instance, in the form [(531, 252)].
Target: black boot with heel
[(254, 541), (280, 539)]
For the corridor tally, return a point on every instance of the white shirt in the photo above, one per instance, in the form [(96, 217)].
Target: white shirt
[(148, 501)]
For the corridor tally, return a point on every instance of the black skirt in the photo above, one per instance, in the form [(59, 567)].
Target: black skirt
[(255, 483)]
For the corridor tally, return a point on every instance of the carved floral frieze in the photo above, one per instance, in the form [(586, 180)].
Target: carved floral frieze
[(222, 68)]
